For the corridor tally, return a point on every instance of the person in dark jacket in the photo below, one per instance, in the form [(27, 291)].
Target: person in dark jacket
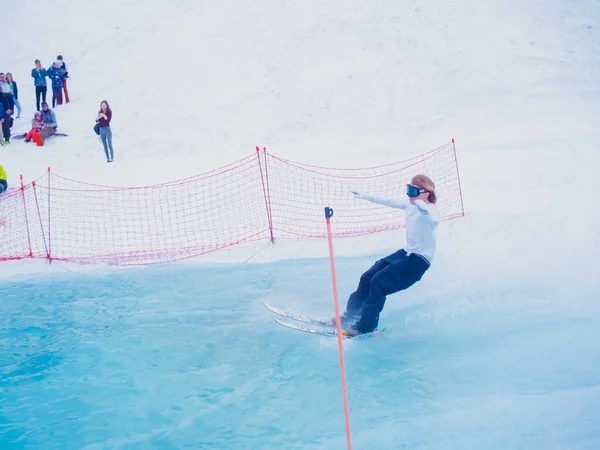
[(39, 75), (57, 75), (1, 130), (103, 120), (7, 124)]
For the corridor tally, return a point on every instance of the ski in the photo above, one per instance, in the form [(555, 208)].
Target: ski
[(316, 331), (281, 312), (330, 330), (326, 333)]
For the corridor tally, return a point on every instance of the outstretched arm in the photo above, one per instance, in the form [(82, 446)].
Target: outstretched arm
[(380, 200), (429, 210)]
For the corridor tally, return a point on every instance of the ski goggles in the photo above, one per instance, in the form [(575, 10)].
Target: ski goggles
[(414, 191)]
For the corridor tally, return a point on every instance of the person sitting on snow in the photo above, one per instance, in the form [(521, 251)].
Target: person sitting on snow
[(50, 124), (3, 183), (36, 126)]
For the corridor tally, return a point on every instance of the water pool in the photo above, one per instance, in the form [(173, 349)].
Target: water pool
[(187, 357)]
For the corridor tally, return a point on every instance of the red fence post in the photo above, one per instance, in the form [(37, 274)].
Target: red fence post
[(328, 215), (462, 205), (49, 238), (266, 192), (37, 204), (268, 195), (26, 218)]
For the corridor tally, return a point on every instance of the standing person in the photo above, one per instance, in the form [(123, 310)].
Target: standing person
[(8, 101), (15, 91), (402, 269), (7, 124), (39, 75), (57, 75), (1, 130), (103, 120), (64, 82)]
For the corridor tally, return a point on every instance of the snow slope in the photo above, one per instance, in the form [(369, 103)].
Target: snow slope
[(195, 85)]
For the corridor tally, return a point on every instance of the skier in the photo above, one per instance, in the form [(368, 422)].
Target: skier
[(402, 269)]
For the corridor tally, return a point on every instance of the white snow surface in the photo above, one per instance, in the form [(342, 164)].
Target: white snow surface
[(195, 85)]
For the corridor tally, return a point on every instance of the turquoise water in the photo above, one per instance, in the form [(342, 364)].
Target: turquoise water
[(187, 357)]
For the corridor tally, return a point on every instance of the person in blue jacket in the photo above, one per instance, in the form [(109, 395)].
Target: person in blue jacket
[(57, 74), (402, 269), (39, 75)]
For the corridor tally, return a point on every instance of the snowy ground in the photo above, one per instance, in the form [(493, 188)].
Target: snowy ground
[(196, 85)]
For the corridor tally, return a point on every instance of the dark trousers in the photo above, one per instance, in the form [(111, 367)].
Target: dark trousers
[(389, 275), (40, 90), (56, 96), (3, 185), (6, 130)]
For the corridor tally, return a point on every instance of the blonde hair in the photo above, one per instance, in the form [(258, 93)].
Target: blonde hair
[(424, 182)]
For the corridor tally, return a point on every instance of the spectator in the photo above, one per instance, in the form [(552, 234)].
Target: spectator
[(64, 66), (7, 123), (39, 75), (3, 183), (57, 75), (103, 119), (36, 126), (15, 92), (7, 96), (50, 124)]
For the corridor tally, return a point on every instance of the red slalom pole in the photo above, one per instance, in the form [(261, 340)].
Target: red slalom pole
[(328, 215)]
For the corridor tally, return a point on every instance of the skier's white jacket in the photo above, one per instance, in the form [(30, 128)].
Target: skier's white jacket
[(422, 220)]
